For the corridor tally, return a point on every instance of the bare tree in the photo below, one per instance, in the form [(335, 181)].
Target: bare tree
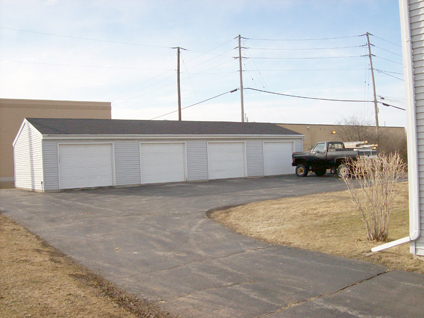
[(371, 183), (389, 141)]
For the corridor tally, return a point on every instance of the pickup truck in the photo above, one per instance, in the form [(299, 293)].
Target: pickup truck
[(327, 155)]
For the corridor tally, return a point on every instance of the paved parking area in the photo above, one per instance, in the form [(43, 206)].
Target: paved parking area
[(157, 242)]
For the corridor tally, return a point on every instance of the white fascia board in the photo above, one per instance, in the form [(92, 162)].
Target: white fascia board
[(411, 122), (215, 136)]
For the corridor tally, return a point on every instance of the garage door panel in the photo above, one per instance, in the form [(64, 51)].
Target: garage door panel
[(162, 162), (226, 160), (278, 158), (83, 166)]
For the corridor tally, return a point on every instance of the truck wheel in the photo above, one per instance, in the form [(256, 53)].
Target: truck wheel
[(320, 172), (343, 171), (302, 170)]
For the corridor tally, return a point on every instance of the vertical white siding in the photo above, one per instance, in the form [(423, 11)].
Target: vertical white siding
[(127, 162), (197, 160), (255, 158), (28, 159), (298, 146), (50, 164), (416, 15)]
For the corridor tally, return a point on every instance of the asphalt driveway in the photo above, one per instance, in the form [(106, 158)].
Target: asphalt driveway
[(156, 242)]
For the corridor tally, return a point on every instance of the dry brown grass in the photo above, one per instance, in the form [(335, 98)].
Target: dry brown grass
[(327, 222), (38, 281)]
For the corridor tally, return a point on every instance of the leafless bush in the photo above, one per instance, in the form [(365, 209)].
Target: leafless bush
[(371, 185)]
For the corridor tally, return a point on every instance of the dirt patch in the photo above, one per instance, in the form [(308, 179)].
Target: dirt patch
[(37, 280), (327, 223)]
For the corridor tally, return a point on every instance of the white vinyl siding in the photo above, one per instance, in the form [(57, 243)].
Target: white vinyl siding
[(28, 159), (255, 158), (194, 159), (127, 162), (278, 158), (85, 165), (162, 162), (226, 160), (197, 160), (51, 165), (416, 14)]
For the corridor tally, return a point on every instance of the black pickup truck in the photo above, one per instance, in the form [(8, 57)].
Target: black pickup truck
[(327, 155)]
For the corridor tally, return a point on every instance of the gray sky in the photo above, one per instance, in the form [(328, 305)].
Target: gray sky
[(121, 51)]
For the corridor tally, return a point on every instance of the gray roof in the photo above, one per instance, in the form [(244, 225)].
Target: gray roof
[(60, 126)]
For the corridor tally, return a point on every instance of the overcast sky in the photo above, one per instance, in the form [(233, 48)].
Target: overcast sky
[(122, 52)]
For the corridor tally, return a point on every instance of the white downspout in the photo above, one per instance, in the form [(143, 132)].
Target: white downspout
[(411, 132)]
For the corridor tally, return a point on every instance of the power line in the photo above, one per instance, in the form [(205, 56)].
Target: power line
[(306, 49), (387, 51), (82, 65), (387, 59), (234, 90), (83, 38), (305, 58), (386, 40), (318, 39), (315, 98)]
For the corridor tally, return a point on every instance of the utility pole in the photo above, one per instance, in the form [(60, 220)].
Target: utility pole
[(241, 79), (373, 83), (178, 81)]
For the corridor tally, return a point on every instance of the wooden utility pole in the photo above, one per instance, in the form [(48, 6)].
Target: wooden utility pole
[(241, 79), (373, 83), (178, 81)]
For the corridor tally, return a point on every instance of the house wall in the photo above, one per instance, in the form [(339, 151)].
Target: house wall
[(127, 158), (13, 112), (412, 23), (28, 159)]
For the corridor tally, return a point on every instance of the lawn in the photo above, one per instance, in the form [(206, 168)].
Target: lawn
[(328, 223)]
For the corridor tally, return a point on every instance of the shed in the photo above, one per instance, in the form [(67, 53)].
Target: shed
[(55, 154)]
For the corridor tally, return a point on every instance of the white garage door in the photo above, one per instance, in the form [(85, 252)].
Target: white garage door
[(85, 166), (162, 162), (278, 158), (226, 160)]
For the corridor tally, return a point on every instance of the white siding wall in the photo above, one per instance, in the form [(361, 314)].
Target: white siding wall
[(416, 9), (255, 158), (197, 160), (28, 159), (127, 159), (50, 164), (127, 162), (298, 146)]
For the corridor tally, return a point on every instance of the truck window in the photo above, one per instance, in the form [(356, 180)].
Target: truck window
[(320, 148)]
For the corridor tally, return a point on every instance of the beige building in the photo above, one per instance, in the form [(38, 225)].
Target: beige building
[(315, 133), (13, 112)]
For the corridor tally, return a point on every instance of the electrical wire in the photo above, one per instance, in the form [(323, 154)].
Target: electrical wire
[(306, 97), (387, 51), (308, 49), (82, 65), (386, 40), (86, 39), (305, 58), (387, 59), (319, 39), (232, 91)]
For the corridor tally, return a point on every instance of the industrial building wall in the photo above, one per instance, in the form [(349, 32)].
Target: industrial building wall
[(13, 112)]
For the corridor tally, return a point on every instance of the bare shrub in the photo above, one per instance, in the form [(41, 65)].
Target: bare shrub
[(371, 185)]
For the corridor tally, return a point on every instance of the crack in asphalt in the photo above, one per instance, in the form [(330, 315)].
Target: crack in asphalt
[(303, 301), (201, 261)]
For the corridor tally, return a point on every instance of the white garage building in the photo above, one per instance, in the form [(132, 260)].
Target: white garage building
[(55, 154)]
